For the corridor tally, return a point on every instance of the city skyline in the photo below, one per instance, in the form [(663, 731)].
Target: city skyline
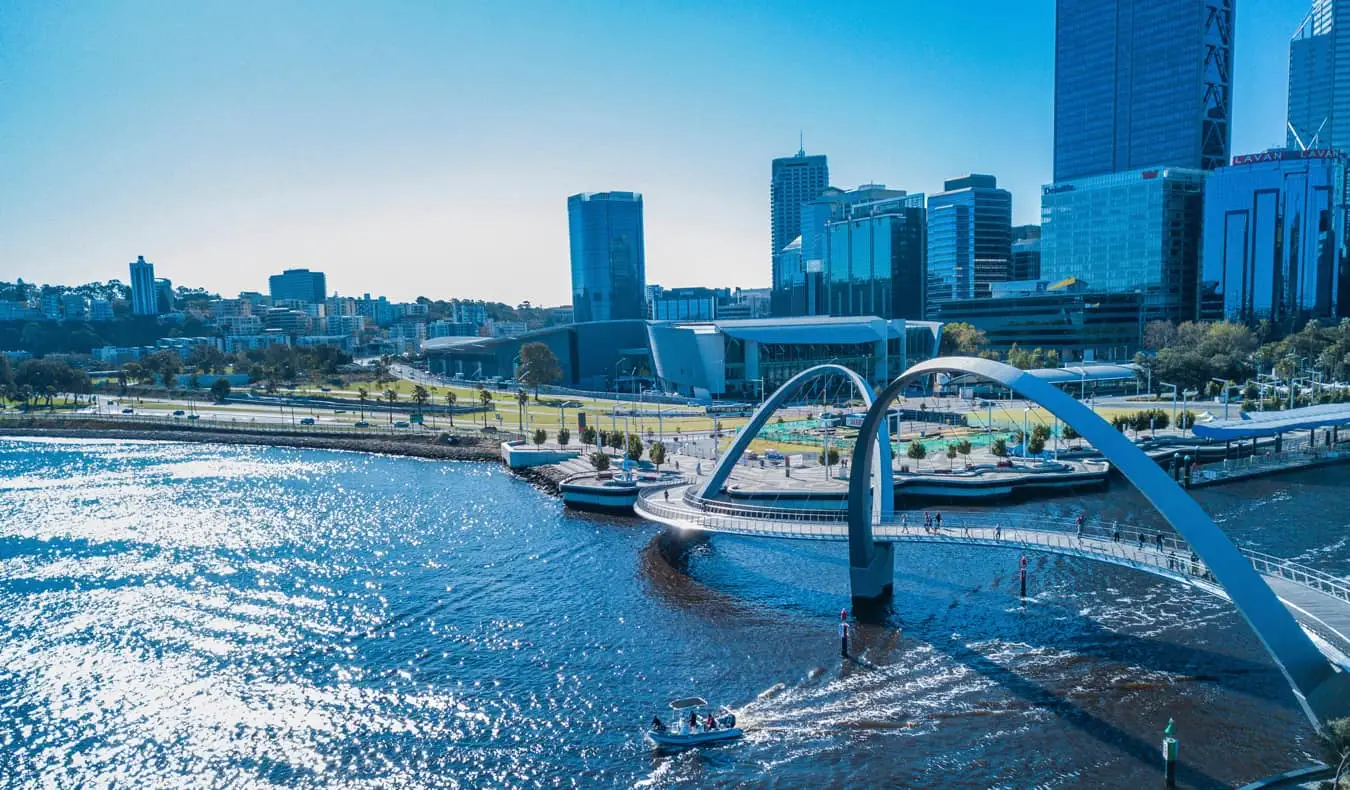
[(134, 131)]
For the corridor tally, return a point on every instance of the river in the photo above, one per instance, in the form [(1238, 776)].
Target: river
[(196, 615)]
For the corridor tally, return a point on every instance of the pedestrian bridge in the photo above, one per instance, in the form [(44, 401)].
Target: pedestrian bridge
[(1319, 601), (1281, 601)]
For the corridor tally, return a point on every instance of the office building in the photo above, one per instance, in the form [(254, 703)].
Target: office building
[(686, 304), (1275, 239), (875, 260), (301, 285), (164, 299), (794, 180), (1319, 78), (1142, 83), (144, 300), (1026, 253), (74, 306), (1066, 317), (609, 268), (596, 355), (969, 238), (1126, 232)]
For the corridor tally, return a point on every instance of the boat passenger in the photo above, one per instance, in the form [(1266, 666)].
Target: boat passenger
[(710, 724), (657, 724), (693, 720)]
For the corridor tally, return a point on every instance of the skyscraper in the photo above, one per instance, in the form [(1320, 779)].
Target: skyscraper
[(301, 285), (1026, 253), (1142, 83), (1319, 78), (875, 260), (969, 238), (795, 180), (144, 300), (609, 266)]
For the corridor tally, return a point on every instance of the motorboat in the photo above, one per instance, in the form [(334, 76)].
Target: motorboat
[(678, 732)]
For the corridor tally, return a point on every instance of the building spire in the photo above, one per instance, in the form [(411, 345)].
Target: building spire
[(801, 142)]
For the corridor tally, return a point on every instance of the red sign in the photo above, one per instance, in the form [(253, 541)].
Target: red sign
[(1149, 174)]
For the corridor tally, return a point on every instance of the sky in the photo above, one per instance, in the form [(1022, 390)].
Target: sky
[(424, 147)]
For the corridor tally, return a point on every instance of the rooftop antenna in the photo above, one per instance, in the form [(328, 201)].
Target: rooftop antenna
[(801, 142)]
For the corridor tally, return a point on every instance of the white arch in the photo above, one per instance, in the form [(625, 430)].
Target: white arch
[(1320, 687), (883, 483)]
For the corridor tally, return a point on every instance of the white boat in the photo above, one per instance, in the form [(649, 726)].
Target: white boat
[(678, 733)]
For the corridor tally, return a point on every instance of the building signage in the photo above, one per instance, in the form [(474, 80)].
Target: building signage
[(1281, 156), (1055, 189)]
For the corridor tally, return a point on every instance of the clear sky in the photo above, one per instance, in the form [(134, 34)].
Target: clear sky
[(428, 147)]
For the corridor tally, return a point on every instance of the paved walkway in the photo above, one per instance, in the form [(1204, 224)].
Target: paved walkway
[(1319, 601)]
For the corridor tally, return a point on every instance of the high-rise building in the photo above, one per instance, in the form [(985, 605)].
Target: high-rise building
[(1275, 244), (164, 301), (875, 265), (609, 267), (1026, 253), (1123, 232), (1319, 78), (1142, 83), (799, 267), (144, 300), (301, 285), (794, 180), (969, 238)]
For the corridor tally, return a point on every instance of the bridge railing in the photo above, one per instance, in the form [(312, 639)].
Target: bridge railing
[(1321, 581)]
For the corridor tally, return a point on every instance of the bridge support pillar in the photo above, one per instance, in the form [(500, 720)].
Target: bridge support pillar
[(875, 582)]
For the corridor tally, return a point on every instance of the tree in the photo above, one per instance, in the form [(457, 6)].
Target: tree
[(564, 436), (521, 400), (220, 390), (960, 339), (917, 451), (951, 455), (485, 398), (999, 447), (361, 396), (964, 447), (391, 396), (420, 396), (450, 398), (657, 452), (616, 440), (540, 436), (1036, 446), (830, 457), (634, 447), (588, 435), (538, 367), (1069, 433), (600, 460)]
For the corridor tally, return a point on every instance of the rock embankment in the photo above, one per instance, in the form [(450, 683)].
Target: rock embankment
[(417, 445)]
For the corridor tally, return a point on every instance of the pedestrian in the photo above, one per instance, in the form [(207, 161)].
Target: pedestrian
[(938, 519), (1079, 525), (1140, 536), (666, 493), (1157, 538), (843, 632), (998, 532), (1115, 532)]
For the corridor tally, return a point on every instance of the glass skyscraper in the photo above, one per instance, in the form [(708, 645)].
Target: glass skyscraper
[(609, 268), (301, 285), (969, 238), (1132, 231), (1141, 83), (1275, 239), (1319, 78), (794, 181), (1026, 253), (875, 261)]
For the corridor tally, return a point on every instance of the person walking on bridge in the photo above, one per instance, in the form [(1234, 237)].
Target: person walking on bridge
[(843, 633), (1079, 525)]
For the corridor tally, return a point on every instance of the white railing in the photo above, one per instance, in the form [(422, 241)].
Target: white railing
[(1122, 544)]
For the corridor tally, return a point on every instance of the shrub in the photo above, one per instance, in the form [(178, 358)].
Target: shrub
[(833, 456), (539, 437), (600, 461), (917, 451), (564, 436), (999, 447)]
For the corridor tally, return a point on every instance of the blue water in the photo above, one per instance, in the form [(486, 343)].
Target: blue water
[(195, 615)]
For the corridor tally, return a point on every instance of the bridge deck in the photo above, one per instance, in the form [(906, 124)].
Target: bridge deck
[(1319, 601)]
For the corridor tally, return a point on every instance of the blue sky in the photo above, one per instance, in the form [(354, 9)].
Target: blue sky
[(414, 148)]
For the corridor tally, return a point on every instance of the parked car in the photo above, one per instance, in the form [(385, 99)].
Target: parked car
[(178, 412), (361, 424), (307, 421), (194, 416), (128, 411)]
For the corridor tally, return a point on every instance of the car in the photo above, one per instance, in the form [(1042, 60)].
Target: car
[(339, 411), (401, 424), (128, 411), (178, 412), (325, 389), (361, 424), (194, 416), (306, 420)]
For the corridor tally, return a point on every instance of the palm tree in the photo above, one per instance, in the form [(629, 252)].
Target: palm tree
[(391, 396), (521, 399), (420, 396), (485, 398), (450, 398), (361, 396)]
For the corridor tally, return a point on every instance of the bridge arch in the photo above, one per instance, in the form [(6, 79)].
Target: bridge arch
[(1321, 688), (883, 484)]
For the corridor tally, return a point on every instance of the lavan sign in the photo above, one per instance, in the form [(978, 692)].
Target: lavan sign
[(1281, 156)]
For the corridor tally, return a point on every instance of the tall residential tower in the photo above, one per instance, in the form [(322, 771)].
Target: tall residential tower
[(795, 180), (144, 300), (609, 267), (1142, 83)]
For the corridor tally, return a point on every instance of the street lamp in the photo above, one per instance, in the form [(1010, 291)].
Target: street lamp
[(1227, 385), (1184, 395), (1174, 400), (1025, 436)]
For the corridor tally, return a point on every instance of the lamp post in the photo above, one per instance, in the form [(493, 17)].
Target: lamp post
[(1175, 388), (1227, 384), (1184, 394), (1025, 436)]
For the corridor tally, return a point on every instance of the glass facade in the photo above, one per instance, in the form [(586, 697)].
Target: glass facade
[(609, 269), (794, 181), (1141, 83), (1127, 232), (1077, 324), (1026, 253), (875, 261), (969, 238), (1319, 78), (1274, 244), (301, 285), (687, 304)]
